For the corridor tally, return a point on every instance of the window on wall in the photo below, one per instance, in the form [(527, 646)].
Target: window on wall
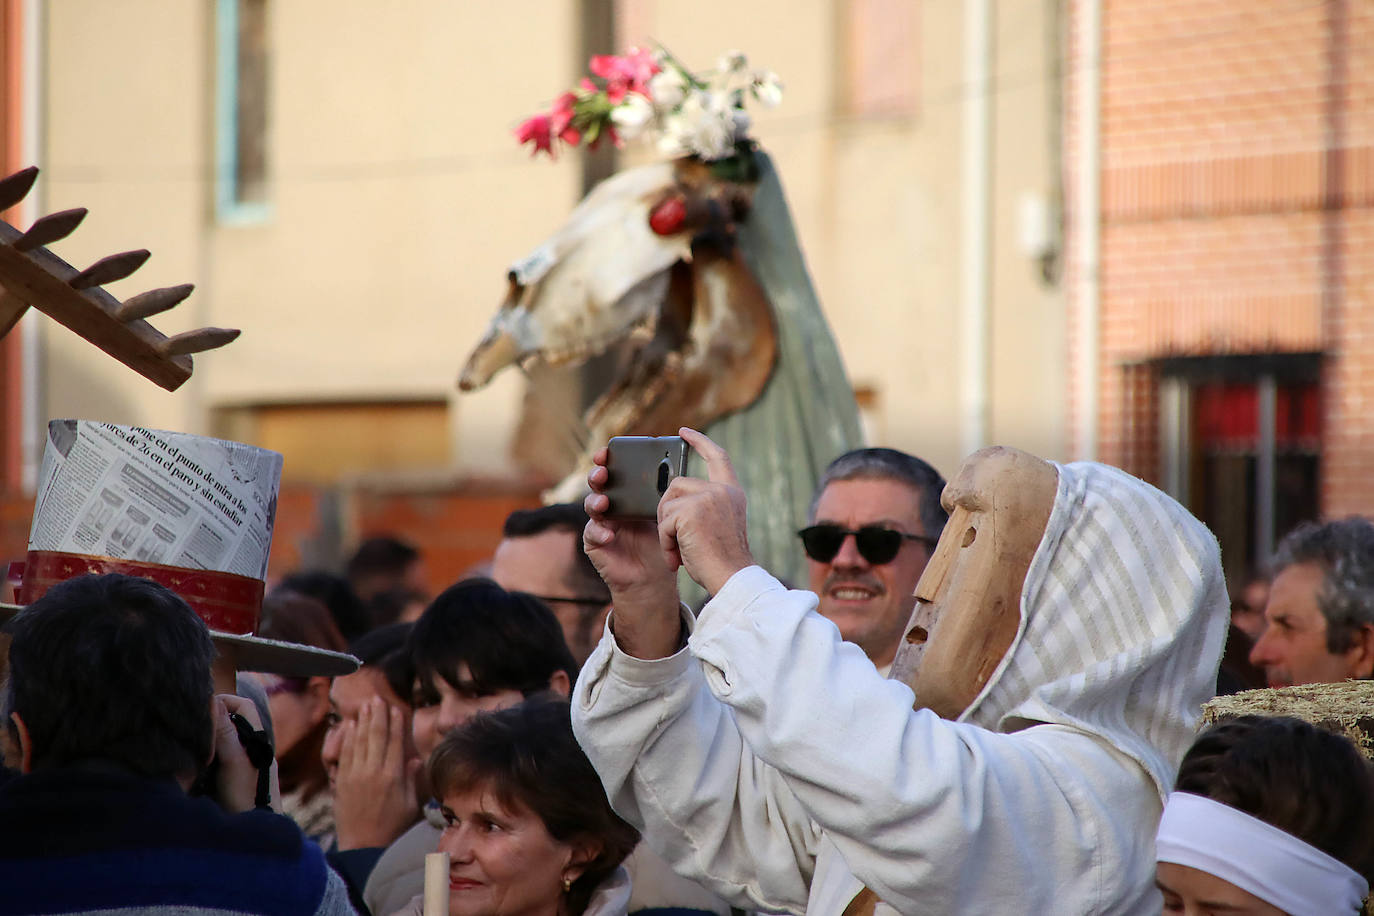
[(241, 185), (879, 58), (1241, 448)]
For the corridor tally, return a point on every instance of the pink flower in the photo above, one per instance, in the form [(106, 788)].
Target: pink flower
[(609, 67), (624, 75), (642, 67), (536, 130), (561, 115)]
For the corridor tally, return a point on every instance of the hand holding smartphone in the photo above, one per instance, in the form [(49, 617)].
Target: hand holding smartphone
[(639, 470)]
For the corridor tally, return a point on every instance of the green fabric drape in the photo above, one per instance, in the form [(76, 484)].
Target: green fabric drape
[(806, 415)]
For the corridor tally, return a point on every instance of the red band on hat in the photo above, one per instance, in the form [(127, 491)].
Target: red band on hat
[(226, 602)]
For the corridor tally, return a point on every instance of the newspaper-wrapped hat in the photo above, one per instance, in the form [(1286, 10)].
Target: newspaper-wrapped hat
[(192, 513)]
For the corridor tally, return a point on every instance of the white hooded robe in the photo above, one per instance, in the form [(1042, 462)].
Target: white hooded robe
[(771, 762)]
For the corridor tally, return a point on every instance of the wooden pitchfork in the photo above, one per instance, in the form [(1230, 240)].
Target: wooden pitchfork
[(32, 276)]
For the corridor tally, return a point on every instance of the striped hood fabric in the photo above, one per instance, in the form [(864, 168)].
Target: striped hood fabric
[(1123, 618)]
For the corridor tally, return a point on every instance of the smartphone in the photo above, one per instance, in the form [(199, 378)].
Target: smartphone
[(640, 469)]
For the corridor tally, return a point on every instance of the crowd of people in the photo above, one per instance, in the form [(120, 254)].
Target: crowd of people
[(579, 741)]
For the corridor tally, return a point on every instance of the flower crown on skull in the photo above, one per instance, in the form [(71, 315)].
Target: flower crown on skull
[(650, 95)]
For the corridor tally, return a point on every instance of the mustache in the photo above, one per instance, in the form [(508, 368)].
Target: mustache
[(838, 580)]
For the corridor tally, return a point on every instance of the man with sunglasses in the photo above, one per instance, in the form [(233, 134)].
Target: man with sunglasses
[(874, 521)]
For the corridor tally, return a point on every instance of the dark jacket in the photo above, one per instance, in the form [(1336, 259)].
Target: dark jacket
[(95, 837)]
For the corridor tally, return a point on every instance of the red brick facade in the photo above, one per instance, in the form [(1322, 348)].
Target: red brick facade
[(1237, 210)]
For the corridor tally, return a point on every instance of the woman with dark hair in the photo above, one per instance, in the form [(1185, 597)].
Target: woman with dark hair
[(527, 828), (476, 648), (479, 648), (1268, 816), (300, 711), (369, 756)]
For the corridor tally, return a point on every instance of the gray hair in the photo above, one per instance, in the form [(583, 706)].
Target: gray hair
[(1345, 550), (890, 464)]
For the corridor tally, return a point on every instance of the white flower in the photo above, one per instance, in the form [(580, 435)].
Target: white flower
[(631, 115), (693, 107), (731, 73), (732, 62), (704, 126), (767, 88), (668, 87), (714, 139), (689, 119), (725, 108), (670, 144)]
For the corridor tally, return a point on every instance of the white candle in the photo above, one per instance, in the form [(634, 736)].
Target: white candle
[(436, 884)]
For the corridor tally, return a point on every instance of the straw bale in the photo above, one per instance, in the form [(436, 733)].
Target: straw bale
[(1346, 708)]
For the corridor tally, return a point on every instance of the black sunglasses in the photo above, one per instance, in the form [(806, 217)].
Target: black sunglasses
[(596, 602), (877, 545)]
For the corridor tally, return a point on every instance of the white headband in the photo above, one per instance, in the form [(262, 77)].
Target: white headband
[(1257, 857)]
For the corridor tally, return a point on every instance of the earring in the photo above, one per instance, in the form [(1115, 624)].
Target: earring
[(567, 885)]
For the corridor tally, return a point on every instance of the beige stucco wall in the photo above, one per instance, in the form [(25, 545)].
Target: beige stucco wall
[(124, 135), (878, 204), (399, 197), (1029, 347)]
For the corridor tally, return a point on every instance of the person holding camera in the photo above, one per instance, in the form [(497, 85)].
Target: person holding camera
[(140, 789), (1067, 629)]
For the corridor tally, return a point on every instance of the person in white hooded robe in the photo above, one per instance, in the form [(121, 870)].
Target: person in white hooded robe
[(761, 755)]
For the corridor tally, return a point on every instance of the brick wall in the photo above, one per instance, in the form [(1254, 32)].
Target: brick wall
[(1348, 421), (456, 528), (1237, 175)]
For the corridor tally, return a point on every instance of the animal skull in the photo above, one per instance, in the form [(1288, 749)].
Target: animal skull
[(696, 326)]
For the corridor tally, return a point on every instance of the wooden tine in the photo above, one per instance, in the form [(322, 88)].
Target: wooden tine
[(48, 229), (109, 269), (196, 341), (152, 302), (17, 186)]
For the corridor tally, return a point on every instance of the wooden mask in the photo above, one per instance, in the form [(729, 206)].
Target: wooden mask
[(968, 600)]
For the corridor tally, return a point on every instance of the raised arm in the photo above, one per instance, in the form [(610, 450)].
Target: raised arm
[(642, 583), (918, 807), (668, 752)]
